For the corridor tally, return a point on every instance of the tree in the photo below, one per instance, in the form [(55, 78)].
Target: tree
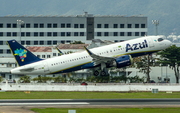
[(143, 63), (25, 79), (171, 57), (57, 79), (45, 79), (88, 79), (116, 79), (35, 79), (93, 79), (41, 79), (77, 42), (124, 78), (68, 52), (136, 79), (72, 79), (79, 80), (1, 79), (38, 79)]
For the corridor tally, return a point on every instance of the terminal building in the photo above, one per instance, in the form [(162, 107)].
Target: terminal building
[(54, 30)]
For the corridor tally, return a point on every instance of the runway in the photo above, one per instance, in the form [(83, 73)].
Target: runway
[(79, 102), (24, 105)]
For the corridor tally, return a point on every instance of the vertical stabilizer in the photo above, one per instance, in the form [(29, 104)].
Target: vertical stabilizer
[(22, 55)]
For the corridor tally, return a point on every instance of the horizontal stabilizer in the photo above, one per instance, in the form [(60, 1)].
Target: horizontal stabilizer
[(27, 69)]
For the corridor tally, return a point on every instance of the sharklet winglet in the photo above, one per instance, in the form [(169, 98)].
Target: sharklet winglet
[(88, 51), (60, 52)]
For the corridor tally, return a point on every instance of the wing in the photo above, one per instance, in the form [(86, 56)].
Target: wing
[(99, 59)]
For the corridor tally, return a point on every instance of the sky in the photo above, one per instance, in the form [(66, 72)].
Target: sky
[(166, 11)]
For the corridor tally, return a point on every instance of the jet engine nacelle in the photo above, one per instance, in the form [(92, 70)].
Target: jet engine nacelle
[(122, 61)]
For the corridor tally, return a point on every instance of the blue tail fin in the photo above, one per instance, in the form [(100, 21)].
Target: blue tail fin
[(22, 55)]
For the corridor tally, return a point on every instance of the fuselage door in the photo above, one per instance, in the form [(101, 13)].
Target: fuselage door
[(46, 68), (150, 42)]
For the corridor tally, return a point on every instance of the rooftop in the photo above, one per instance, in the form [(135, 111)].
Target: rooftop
[(82, 15), (39, 49), (61, 47), (72, 46)]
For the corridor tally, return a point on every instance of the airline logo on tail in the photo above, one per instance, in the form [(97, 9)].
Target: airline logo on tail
[(22, 53)]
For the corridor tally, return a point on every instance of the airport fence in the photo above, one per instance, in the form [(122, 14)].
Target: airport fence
[(90, 87)]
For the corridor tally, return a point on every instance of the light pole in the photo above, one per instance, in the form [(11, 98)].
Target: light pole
[(156, 23), (167, 80), (161, 72), (20, 23)]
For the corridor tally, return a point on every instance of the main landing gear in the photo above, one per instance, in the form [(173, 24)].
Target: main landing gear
[(96, 73), (104, 71)]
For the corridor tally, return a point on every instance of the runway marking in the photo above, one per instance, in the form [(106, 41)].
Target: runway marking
[(60, 103)]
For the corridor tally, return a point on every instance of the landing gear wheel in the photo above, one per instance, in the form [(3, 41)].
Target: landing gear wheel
[(103, 73), (96, 73)]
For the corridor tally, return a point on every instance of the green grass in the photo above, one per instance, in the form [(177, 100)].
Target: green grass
[(108, 110), (86, 95)]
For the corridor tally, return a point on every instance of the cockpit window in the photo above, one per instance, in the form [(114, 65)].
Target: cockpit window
[(160, 39)]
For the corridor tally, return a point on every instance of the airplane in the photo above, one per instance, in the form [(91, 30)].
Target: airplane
[(114, 55)]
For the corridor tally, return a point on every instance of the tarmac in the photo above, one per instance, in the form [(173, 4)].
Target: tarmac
[(26, 109)]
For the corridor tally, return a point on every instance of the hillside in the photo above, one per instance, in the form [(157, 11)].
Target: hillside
[(166, 11)]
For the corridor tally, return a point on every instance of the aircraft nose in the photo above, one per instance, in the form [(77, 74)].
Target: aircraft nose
[(169, 43)]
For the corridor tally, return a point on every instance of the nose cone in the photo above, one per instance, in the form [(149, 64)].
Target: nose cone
[(169, 43)]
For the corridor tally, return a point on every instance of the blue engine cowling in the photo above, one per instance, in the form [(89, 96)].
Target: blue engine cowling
[(122, 61)]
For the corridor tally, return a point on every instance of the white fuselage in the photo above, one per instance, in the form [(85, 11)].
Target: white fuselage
[(80, 60)]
